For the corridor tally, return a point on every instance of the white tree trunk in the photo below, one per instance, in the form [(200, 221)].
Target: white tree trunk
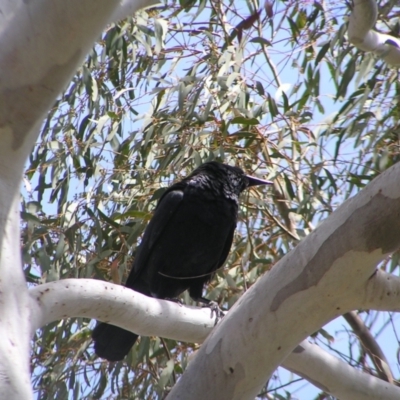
[(14, 304), (42, 43)]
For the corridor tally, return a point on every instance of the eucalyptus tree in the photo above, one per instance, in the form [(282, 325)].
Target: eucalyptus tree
[(301, 93)]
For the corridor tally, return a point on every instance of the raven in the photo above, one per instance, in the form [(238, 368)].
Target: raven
[(185, 242)]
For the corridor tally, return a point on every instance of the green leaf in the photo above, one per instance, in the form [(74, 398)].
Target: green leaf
[(166, 374), (273, 109), (294, 29), (322, 52), (289, 187), (161, 28), (260, 88), (245, 121), (261, 41), (346, 78)]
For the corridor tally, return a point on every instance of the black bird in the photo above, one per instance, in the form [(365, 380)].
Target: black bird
[(185, 242)]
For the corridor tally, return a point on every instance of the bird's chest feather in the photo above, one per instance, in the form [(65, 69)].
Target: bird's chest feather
[(209, 209), (195, 236)]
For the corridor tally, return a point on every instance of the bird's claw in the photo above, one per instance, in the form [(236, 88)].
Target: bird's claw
[(214, 307)]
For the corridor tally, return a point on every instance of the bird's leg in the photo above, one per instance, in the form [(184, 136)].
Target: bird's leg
[(214, 307)]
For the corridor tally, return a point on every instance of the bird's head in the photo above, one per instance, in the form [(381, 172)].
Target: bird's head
[(231, 180)]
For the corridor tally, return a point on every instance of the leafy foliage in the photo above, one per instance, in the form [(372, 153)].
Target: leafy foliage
[(273, 88)]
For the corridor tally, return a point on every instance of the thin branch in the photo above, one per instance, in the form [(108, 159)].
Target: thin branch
[(371, 345)]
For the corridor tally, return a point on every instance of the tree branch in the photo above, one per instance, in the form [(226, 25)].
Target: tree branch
[(152, 317), (360, 33), (336, 377), (121, 306), (370, 345)]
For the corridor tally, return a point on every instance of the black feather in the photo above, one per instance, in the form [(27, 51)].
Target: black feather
[(186, 241)]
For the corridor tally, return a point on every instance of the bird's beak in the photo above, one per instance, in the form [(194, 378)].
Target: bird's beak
[(257, 181)]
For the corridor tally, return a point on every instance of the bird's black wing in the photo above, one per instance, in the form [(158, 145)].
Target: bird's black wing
[(227, 247), (111, 342), (166, 208)]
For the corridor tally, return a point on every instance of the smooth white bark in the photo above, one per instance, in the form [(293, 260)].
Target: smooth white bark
[(382, 293), (360, 33), (15, 309), (129, 7), (123, 307), (336, 377), (326, 275)]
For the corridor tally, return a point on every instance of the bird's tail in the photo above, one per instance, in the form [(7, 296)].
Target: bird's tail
[(111, 342)]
